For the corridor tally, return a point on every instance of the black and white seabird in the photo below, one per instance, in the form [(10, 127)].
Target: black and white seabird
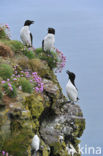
[(35, 145), (25, 33), (71, 89), (49, 40)]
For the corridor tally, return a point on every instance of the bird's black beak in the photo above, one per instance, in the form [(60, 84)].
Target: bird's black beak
[(32, 22), (68, 72)]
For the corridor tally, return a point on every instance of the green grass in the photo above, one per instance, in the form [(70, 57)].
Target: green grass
[(49, 57), (26, 85), (1, 95), (10, 93), (29, 53), (3, 34), (5, 71), (15, 45), (18, 47)]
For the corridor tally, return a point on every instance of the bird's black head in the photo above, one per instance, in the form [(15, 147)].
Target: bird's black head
[(71, 75), (28, 23), (51, 31)]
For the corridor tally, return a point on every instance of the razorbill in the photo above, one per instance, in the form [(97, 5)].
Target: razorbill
[(25, 33), (71, 89), (49, 40), (35, 145)]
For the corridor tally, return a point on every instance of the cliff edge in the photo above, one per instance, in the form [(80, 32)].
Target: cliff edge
[(32, 102)]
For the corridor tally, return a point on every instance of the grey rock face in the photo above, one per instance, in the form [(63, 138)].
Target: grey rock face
[(62, 125)]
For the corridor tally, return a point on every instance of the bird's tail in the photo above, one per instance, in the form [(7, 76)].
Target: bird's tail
[(33, 153), (78, 99)]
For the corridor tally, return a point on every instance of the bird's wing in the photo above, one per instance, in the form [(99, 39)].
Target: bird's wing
[(71, 91), (31, 36), (25, 36), (43, 45)]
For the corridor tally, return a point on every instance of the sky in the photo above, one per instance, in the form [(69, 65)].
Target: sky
[(79, 35)]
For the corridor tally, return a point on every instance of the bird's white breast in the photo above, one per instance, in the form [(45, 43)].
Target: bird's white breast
[(35, 143), (49, 41), (25, 35), (71, 91)]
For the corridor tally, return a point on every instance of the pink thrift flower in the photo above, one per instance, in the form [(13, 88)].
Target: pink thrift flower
[(3, 152), (6, 25), (34, 73), (3, 82), (22, 71), (37, 89), (7, 154), (9, 85), (18, 75), (14, 79), (11, 88)]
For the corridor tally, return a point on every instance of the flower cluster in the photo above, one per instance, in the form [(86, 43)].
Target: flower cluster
[(9, 85), (32, 80), (4, 153), (38, 80), (61, 61), (32, 77), (6, 29)]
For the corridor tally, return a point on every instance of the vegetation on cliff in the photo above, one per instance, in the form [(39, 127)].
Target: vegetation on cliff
[(31, 99)]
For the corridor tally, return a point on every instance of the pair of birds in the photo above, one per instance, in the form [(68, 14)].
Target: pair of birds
[(48, 45), (27, 37)]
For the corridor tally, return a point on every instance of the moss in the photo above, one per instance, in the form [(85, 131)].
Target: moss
[(5, 71), (35, 124), (40, 67), (26, 114), (59, 149), (80, 124), (44, 149), (16, 125), (18, 143), (35, 104)]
